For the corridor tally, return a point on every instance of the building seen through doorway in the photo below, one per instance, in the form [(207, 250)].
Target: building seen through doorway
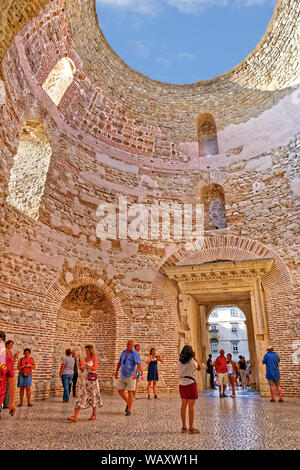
[(228, 331)]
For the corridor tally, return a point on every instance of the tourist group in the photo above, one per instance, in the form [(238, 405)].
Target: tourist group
[(79, 377)]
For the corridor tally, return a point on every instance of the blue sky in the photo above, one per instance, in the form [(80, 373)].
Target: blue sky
[(183, 41)]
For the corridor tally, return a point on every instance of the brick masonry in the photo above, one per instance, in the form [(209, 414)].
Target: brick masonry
[(60, 285)]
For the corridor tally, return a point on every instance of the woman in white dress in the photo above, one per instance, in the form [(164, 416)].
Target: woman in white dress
[(88, 390)]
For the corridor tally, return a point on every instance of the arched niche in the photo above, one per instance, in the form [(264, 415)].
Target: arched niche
[(29, 171), (207, 135), (212, 196), (86, 316), (59, 79)]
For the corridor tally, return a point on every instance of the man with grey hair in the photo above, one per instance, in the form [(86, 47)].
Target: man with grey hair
[(130, 364)]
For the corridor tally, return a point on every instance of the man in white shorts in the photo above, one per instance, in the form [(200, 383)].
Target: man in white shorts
[(130, 364), (221, 369)]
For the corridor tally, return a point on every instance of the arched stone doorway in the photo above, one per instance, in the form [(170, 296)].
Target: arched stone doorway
[(227, 270), (205, 286), (87, 310), (86, 316)]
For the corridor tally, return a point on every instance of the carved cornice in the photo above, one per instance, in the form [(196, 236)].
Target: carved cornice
[(220, 270)]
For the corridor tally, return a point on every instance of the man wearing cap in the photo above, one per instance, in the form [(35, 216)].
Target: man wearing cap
[(271, 359)]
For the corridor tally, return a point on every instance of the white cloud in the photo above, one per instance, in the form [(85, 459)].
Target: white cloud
[(142, 49), (138, 6), (175, 57), (152, 7)]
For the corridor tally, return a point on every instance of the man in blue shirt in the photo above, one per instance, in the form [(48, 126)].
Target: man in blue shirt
[(271, 359), (130, 364)]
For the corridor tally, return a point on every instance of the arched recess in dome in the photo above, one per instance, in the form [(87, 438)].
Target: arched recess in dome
[(212, 196), (59, 79), (207, 135), (29, 171)]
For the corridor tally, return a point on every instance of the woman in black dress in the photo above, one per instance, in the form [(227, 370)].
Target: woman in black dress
[(152, 375)]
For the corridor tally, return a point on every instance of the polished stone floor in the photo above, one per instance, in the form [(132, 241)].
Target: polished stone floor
[(248, 422)]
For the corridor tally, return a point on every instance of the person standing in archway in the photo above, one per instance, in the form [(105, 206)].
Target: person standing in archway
[(221, 369), (271, 360), (137, 348), (210, 371), (231, 373), (243, 371)]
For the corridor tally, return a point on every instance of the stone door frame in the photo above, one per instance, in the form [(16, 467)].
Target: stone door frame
[(237, 283)]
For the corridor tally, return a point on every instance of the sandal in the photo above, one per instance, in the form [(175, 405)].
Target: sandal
[(194, 431), (183, 430), (72, 418)]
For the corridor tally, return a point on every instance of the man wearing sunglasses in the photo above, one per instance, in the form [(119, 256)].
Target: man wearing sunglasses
[(130, 365)]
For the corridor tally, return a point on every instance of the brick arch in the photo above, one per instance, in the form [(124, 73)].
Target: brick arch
[(217, 177), (220, 248), (278, 286), (77, 323), (81, 277)]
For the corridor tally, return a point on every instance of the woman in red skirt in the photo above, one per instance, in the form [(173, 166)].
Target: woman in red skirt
[(187, 366)]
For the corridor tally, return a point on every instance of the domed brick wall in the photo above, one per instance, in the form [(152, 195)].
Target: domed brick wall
[(114, 132)]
